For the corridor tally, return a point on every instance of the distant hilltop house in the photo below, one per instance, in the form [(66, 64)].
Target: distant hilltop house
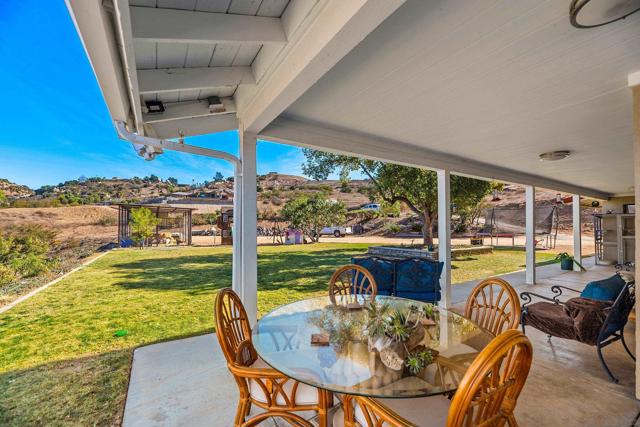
[(217, 194)]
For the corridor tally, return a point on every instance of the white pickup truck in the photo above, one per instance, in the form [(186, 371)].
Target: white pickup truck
[(339, 231)]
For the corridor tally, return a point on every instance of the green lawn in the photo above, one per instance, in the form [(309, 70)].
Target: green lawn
[(60, 363)]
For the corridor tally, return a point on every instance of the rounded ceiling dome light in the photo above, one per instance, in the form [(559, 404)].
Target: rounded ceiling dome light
[(553, 156), (596, 13)]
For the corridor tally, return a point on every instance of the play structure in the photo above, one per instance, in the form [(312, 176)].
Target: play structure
[(509, 222)]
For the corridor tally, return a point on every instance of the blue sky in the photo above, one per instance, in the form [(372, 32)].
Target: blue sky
[(55, 125)]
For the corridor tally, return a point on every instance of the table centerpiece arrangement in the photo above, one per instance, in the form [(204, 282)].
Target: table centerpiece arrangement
[(398, 336)]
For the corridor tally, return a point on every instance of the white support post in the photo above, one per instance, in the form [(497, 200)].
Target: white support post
[(444, 235), (634, 84), (248, 235), (236, 262), (577, 232), (530, 244)]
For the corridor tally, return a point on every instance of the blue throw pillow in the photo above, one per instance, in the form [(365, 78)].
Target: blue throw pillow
[(604, 290)]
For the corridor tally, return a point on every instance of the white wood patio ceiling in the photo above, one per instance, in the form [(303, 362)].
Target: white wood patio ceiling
[(495, 82), (480, 88), (153, 55)]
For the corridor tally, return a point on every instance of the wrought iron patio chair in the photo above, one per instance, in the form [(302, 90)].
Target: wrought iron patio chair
[(260, 385), (592, 322), (352, 281), (486, 396)]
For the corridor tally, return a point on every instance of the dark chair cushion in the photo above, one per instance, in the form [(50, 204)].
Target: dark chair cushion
[(418, 279), (551, 319), (580, 319), (588, 317), (382, 272), (604, 290)]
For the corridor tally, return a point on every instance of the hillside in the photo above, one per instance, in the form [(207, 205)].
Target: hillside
[(94, 190), (274, 190), (14, 191)]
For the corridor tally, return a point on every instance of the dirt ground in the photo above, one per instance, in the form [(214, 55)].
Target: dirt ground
[(564, 242), (95, 222), (100, 223)]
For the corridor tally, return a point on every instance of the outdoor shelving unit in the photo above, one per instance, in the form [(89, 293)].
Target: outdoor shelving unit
[(614, 236)]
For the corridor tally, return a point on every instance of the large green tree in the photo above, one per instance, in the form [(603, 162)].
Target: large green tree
[(310, 214), (416, 188)]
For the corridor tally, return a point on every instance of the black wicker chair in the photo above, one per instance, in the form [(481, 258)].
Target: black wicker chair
[(593, 322)]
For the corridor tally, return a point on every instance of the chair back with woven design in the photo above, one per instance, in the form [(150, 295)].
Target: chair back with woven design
[(352, 281), (371, 413), (292, 419), (233, 330), (488, 392), (486, 396), (494, 305)]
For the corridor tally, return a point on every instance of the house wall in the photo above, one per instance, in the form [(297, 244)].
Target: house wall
[(615, 204)]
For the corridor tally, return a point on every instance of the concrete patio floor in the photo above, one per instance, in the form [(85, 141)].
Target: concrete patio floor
[(186, 382)]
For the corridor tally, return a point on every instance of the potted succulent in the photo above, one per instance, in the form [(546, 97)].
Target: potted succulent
[(397, 336), (567, 261)]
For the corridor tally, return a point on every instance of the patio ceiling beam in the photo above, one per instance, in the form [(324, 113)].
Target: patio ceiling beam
[(192, 126), (295, 132), (177, 79), (183, 26), (185, 110), (123, 27), (337, 27), (93, 23)]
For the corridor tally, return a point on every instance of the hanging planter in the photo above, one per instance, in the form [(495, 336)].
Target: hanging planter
[(567, 261)]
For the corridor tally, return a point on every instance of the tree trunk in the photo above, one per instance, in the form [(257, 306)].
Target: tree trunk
[(427, 229)]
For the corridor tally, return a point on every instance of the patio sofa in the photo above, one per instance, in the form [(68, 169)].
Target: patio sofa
[(411, 278)]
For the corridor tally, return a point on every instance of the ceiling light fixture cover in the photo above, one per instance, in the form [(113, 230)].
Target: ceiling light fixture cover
[(553, 156), (596, 13)]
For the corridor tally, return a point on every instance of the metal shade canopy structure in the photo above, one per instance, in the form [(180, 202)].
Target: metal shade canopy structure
[(166, 214)]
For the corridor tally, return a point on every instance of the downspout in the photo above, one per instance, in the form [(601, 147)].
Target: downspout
[(165, 144)]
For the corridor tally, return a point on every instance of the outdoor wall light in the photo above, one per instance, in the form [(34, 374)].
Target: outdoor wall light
[(215, 105), (596, 13), (553, 156), (154, 107)]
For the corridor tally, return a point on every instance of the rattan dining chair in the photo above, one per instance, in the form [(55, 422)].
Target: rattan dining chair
[(292, 419), (494, 305), (350, 281), (486, 396), (259, 385)]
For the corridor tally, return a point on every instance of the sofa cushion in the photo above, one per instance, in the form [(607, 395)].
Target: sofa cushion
[(604, 290), (382, 272), (418, 279)]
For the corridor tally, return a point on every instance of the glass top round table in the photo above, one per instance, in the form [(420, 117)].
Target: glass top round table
[(335, 346)]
